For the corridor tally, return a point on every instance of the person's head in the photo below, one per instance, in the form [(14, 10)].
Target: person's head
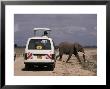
[(45, 33)]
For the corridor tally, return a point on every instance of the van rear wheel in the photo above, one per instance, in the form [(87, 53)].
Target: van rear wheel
[(51, 67), (28, 66)]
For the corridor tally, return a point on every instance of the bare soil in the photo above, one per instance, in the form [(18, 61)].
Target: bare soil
[(73, 68)]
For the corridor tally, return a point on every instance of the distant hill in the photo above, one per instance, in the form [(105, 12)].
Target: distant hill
[(90, 46), (56, 47)]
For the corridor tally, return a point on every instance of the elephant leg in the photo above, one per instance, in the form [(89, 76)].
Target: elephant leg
[(82, 50), (84, 58), (60, 57), (69, 57), (77, 56), (57, 56)]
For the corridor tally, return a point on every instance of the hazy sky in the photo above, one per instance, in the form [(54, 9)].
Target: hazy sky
[(80, 28)]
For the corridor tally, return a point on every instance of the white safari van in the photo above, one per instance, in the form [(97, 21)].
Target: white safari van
[(40, 51)]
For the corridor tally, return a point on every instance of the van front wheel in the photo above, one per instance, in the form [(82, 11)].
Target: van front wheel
[(28, 66), (51, 67)]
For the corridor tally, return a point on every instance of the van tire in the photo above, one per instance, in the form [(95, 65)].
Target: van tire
[(52, 67), (28, 66)]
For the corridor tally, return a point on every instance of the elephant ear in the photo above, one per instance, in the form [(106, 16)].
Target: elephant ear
[(78, 47)]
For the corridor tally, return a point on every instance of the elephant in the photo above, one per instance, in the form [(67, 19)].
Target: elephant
[(69, 49)]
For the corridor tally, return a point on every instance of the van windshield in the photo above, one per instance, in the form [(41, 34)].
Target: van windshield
[(39, 44)]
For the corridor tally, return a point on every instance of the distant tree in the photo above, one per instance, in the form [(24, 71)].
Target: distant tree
[(15, 45)]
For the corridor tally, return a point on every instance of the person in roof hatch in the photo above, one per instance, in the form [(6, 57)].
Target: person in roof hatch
[(45, 33)]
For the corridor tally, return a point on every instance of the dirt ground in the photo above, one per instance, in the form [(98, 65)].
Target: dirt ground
[(73, 68)]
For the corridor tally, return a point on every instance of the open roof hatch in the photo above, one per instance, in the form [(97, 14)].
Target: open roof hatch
[(42, 32)]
